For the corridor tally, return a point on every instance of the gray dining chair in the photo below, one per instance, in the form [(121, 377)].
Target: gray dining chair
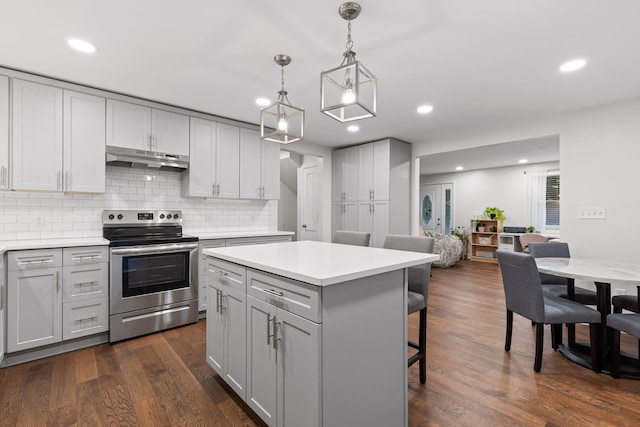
[(523, 295), (550, 282), (629, 303), (617, 322), (561, 286), (418, 282), (351, 238)]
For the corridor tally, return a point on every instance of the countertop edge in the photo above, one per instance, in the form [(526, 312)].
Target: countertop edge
[(417, 258)]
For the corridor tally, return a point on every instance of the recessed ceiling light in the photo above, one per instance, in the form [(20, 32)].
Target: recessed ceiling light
[(425, 109), (81, 46), (521, 161), (573, 65), (459, 168), (263, 102), (353, 128)]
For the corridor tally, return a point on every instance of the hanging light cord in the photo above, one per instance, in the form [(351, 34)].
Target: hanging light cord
[(349, 55), (282, 94)]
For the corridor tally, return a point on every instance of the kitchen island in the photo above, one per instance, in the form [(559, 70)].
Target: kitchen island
[(312, 333)]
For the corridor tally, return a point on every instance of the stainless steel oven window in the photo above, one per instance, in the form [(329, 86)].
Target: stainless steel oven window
[(146, 274)]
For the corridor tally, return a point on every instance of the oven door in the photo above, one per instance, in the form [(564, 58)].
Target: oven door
[(152, 275)]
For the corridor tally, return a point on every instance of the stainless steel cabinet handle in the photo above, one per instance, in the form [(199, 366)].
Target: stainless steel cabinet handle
[(153, 249), (213, 190), (275, 333), (58, 181), (35, 261), (268, 328), (217, 301), (4, 176), (218, 189), (66, 180), (273, 292), (57, 281)]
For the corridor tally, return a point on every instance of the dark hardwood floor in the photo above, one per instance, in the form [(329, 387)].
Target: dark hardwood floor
[(163, 379)]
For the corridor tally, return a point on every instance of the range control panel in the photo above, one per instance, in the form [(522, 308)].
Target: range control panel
[(142, 218)]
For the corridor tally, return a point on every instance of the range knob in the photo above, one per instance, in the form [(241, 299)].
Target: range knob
[(111, 216), (175, 216), (161, 216), (168, 216), (120, 216)]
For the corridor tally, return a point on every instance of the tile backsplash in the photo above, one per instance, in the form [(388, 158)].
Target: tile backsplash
[(35, 215)]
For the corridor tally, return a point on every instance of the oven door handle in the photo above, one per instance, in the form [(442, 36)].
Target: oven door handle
[(154, 249)]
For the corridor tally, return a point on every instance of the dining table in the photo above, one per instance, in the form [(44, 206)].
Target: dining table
[(602, 273)]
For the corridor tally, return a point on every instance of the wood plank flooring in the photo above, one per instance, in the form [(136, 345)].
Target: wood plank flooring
[(163, 379)]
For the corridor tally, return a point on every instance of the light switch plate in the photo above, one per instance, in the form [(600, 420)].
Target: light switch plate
[(592, 213)]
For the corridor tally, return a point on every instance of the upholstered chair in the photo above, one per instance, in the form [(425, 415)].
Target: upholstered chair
[(352, 238), (418, 292), (523, 295), (527, 238)]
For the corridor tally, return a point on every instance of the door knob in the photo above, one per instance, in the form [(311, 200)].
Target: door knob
[(304, 225)]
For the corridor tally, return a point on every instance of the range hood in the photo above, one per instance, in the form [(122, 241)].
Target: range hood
[(131, 158)]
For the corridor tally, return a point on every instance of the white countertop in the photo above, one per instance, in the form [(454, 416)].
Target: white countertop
[(320, 263), (593, 270), (204, 235), (17, 245)]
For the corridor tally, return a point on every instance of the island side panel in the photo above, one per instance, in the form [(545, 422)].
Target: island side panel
[(364, 351)]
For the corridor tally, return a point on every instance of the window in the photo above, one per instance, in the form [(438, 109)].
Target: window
[(544, 196), (553, 200)]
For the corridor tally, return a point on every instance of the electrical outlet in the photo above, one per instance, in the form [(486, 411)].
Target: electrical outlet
[(39, 220), (592, 213)]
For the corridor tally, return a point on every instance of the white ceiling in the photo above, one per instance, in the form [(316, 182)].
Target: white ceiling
[(481, 64), (535, 150)]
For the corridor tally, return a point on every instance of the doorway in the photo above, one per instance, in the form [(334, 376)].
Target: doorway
[(300, 195), (436, 208)]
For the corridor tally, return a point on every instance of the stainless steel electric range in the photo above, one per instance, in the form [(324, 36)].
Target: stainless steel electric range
[(153, 272)]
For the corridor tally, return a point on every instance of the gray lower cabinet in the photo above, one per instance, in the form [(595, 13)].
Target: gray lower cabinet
[(51, 300), (34, 299), (261, 344), (226, 327), (203, 292), (282, 366)]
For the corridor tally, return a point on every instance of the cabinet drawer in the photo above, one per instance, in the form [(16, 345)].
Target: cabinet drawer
[(226, 273), (295, 297), (85, 255), (33, 259), (82, 318), (83, 282)]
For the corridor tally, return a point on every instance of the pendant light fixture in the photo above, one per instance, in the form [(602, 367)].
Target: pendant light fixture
[(281, 122), (349, 91)]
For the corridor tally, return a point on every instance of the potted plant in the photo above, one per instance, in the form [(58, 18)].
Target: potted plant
[(530, 229), (476, 221), (495, 213)]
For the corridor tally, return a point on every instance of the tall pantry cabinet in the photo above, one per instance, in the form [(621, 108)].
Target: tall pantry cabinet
[(372, 189)]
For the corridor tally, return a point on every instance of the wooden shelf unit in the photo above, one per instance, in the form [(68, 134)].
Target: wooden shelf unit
[(484, 244)]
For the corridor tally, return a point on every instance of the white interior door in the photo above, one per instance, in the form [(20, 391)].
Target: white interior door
[(308, 197)]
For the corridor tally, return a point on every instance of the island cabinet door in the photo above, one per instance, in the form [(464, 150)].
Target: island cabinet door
[(215, 331), (226, 336), (298, 380), (261, 359)]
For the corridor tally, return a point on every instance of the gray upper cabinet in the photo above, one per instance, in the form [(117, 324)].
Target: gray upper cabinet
[(371, 189), (84, 141), (145, 128), (58, 139), (259, 167), (37, 137), (214, 164), (4, 132)]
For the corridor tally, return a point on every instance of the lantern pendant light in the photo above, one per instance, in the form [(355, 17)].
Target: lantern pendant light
[(281, 122), (349, 91)]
